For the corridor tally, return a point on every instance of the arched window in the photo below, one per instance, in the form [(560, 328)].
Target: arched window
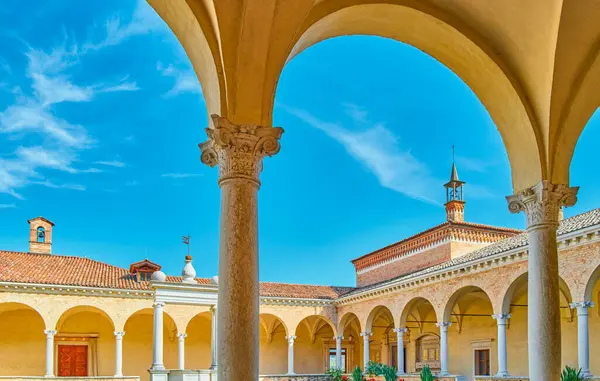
[(41, 235)]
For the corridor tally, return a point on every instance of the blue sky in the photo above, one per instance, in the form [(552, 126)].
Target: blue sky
[(101, 114)]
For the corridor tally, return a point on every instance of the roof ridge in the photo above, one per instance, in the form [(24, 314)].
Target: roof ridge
[(65, 256), (304, 284)]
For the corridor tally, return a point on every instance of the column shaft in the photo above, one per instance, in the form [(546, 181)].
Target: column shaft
[(181, 347), (338, 351), (501, 320), (366, 349), (444, 347), (119, 354), (291, 340), (157, 343), (583, 344), (400, 349), (213, 340), (238, 150), (541, 204), (50, 352)]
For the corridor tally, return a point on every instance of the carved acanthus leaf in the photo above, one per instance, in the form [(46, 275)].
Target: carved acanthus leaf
[(238, 150), (542, 202)]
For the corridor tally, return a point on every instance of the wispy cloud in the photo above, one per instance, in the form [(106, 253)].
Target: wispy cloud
[(357, 113), (4, 66), (7, 206), (186, 80), (143, 21), (33, 112), (180, 175), (132, 183), (380, 151), (111, 163), (475, 165)]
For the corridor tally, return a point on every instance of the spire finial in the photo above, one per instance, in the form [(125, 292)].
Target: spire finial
[(453, 154)]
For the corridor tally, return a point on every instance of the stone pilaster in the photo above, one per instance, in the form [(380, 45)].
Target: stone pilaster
[(541, 204), (583, 337), (290, 340), (238, 150)]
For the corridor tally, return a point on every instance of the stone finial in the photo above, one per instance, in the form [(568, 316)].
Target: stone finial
[(188, 273), (158, 276)]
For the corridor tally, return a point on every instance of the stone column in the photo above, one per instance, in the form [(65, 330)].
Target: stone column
[(541, 204), (366, 348), (119, 354), (238, 150), (444, 347), (290, 340), (400, 341), (50, 352), (338, 351), (181, 337), (502, 319), (157, 343), (583, 344), (213, 339)]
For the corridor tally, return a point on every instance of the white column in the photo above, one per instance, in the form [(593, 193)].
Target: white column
[(290, 340), (50, 352), (400, 349), (444, 347), (583, 344), (338, 351), (119, 354), (501, 320), (213, 341), (366, 348), (541, 204), (238, 150), (181, 337), (157, 343)]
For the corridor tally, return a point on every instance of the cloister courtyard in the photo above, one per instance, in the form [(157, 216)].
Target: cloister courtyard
[(470, 300)]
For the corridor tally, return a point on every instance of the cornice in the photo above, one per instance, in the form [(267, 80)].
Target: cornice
[(303, 302), (53, 289), (573, 239)]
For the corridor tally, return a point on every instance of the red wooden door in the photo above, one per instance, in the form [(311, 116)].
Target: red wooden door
[(72, 361)]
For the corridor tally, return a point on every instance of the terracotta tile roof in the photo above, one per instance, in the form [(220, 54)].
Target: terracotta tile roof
[(302, 290), (69, 271), (566, 226), (76, 271)]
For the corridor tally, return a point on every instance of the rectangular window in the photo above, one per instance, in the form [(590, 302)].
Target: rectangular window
[(332, 362), (482, 362)]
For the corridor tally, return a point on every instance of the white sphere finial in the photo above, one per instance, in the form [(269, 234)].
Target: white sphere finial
[(158, 276)]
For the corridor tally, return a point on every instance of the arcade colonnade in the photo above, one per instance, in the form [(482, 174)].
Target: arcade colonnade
[(535, 74)]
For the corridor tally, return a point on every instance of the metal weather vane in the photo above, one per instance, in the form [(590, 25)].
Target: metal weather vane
[(186, 241)]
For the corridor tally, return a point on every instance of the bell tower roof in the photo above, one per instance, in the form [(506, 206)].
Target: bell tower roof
[(455, 202)]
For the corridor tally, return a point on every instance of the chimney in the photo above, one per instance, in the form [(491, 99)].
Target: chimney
[(40, 235)]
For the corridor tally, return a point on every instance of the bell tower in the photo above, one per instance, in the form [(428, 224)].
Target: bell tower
[(455, 202), (40, 235)]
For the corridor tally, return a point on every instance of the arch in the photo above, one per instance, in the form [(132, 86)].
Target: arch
[(316, 324), (65, 315), (453, 44), (270, 323), (205, 314), (521, 281), (377, 312), (458, 294), (197, 33), (22, 340), (590, 284), (346, 319), (198, 341), (41, 234), (413, 303)]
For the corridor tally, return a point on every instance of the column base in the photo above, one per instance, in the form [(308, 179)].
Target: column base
[(503, 374), (444, 374), (401, 374), (157, 367), (586, 373), (118, 375)]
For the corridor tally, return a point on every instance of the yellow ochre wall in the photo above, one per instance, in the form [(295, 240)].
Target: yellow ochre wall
[(273, 355), (22, 343), (198, 343)]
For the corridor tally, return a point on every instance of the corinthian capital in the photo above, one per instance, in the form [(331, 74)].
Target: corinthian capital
[(542, 202), (238, 150)]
